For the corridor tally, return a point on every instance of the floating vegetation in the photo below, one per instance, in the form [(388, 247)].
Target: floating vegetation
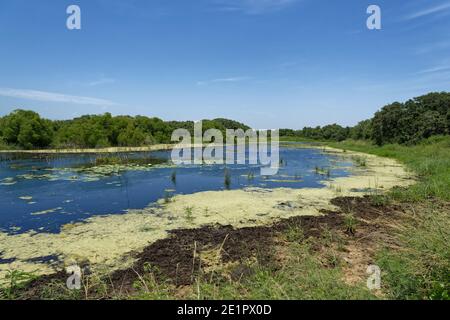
[(323, 171), (8, 182), (126, 160), (40, 213)]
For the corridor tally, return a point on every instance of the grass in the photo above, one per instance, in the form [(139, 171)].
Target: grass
[(301, 277), (420, 268), (430, 160), (16, 280), (350, 223)]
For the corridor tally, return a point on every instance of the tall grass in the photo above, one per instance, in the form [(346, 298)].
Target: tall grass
[(420, 268), (430, 160)]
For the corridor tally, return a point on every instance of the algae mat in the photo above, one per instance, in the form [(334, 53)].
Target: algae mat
[(108, 242)]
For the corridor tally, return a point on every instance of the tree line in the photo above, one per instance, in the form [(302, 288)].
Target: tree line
[(402, 123), (26, 129)]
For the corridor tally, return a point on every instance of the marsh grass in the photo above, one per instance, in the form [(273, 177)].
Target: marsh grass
[(173, 177), (227, 179), (419, 269)]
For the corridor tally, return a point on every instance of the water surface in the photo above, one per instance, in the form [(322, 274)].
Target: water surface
[(42, 194)]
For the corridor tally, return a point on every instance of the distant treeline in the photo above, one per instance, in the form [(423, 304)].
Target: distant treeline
[(403, 123), (27, 130)]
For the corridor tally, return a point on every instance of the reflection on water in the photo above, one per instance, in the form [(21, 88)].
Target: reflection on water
[(43, 193)]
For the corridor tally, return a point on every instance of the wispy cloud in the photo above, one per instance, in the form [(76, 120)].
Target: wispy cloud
[(436, 69), (53, 97), (219, 80), (101, 81), (254, 6), (431, 47), (429, 11)]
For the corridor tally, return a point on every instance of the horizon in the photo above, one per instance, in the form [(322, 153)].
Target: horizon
[(241, 60)]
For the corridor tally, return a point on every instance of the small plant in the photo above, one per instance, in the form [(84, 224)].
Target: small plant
[(350, 223), (173, 177), (16, 280), (227, 180), (360, 161), (294, 233), (379, 200), (250, 176), (189, 214), (167, 197)]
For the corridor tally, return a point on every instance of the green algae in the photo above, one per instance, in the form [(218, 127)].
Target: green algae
[(44, 212)]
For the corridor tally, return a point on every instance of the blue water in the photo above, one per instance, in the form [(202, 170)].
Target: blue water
[(75, 199)]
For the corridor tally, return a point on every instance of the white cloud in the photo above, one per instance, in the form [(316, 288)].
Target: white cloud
[(428, 11), (254, 6), (53, 97)]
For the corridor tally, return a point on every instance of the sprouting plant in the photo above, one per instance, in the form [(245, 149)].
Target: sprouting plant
[(227, 180), (189, 214), (16, 280), (173, 177), (294, 233), (360, 161), (350, 223), (317, 169), (167, 197)]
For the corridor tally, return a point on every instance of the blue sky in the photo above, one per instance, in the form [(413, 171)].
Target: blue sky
[(268, 63)]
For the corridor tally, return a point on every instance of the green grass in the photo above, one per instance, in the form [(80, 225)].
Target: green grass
[(430, 160), (302, 277), (420, 268)]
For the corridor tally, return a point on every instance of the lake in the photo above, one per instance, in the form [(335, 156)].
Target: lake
[(42, 193)]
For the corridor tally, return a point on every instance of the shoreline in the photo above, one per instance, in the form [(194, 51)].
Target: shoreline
[(112, 241), (157, 147)]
